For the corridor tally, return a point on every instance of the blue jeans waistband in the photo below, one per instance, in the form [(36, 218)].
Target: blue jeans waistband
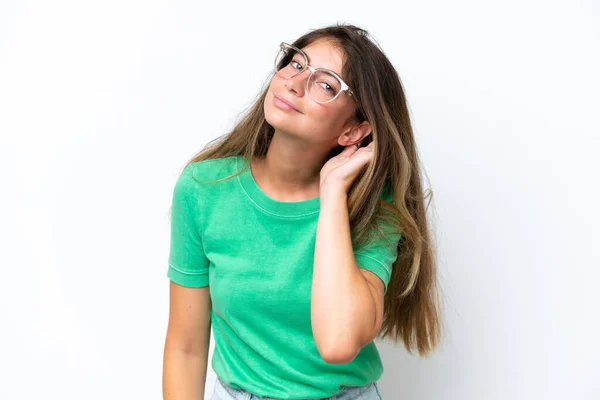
[(369, 391)]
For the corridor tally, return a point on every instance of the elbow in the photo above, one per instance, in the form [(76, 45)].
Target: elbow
[(338, 353)]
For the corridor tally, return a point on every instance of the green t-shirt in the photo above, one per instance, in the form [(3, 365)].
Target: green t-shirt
[(257, 255)]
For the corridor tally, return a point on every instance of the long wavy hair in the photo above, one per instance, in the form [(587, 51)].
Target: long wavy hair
[(411, 303)]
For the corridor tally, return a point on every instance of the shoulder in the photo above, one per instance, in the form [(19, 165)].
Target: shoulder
[(205, 171), (198, 178), (193, 191)]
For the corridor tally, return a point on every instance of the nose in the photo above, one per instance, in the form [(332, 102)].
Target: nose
[(297, 84)]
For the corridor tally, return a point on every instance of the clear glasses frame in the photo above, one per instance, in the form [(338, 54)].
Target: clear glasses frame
[(344, 87)]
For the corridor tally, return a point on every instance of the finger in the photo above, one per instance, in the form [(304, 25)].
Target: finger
[(362, 156), (359, 163), (349, 150)]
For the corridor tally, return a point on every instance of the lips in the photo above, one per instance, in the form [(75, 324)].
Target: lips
[(287, 102)]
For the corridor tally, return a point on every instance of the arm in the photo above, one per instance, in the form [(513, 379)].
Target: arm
[(346, 301), (187, 343)]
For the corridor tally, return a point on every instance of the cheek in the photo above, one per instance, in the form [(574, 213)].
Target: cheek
[(325, 119)]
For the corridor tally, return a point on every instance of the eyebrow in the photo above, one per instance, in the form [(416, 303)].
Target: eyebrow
[(308, 58), (305, 53)]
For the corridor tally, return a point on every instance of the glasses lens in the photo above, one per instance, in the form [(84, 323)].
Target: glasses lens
[(289, 62), (323, 86)]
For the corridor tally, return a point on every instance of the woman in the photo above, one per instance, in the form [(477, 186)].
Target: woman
[(301, 235)]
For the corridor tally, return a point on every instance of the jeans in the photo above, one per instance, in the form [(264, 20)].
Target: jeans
[(369, 391)]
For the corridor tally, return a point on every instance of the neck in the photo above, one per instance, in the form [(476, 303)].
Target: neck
[(290, 170)]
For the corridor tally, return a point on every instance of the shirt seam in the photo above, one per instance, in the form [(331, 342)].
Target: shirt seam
[(187, 272), (359, 253), (268, 211)]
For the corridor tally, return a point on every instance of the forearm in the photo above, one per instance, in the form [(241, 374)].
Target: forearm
[(342, 307), (184, 375)]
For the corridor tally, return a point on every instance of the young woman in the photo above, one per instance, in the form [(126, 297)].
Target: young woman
[(301, 235)]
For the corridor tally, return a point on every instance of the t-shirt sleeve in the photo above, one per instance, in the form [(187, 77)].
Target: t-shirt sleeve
[(378, 254), (188, 265)]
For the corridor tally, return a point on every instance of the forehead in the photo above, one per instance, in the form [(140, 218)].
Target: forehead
[(325, 54)]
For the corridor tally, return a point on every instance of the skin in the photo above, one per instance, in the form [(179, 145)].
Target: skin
[(187, 343), (346, 301)]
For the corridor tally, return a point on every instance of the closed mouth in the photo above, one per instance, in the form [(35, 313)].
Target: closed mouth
[(287, 102)]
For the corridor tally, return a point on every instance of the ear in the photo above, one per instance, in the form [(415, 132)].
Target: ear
[(355, 134)]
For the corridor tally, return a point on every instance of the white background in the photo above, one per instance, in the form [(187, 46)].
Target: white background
[(102, 103)]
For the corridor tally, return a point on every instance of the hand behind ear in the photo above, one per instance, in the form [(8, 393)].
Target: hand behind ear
[(340, 171)]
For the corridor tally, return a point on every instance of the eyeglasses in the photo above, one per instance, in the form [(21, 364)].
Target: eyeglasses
[(323, 85)]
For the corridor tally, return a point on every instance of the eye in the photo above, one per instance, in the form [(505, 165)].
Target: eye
[(295, 63), (327, 87)]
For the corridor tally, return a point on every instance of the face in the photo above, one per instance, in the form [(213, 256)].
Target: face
[(318, 123)]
